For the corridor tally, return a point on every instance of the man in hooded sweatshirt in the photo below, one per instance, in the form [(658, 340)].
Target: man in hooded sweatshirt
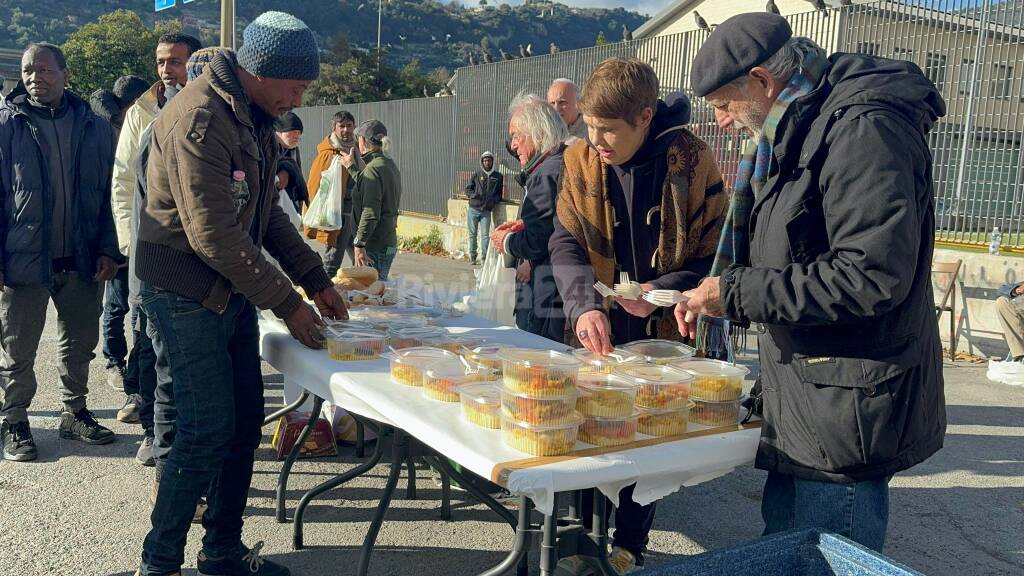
[(837, 183), (484, 192), (642, 196)]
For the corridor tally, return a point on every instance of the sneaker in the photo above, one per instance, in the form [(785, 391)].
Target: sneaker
[(129, 413), (145, 454), (139, 573), (246, 562), (115, 377), (17, 440), (82, 425), (575, 566), (201, 505), (623, 561)]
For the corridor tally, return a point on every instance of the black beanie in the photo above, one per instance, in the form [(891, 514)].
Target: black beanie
[(287, 122), (127, 89)]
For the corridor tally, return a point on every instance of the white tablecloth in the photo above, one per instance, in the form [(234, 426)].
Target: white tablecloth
[(366, 388)]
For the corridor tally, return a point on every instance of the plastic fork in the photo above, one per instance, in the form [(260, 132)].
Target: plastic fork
[(627, 289), (603, 290), (665, 298)]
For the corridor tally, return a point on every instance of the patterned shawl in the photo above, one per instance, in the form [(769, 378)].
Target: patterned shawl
[(734, 244)]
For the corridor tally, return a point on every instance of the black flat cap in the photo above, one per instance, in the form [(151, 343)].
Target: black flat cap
[(735, 47), (287, 122)]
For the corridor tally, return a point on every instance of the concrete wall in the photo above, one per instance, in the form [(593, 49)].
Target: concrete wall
[(978, 329), (454, 229)]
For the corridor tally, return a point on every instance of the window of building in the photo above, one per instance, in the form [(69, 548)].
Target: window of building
[(964, 83), (1002, 81), (902, 54), (935, 69), (869, 48)]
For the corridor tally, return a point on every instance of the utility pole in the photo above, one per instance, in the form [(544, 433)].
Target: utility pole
[(227, 24), (380, 18)]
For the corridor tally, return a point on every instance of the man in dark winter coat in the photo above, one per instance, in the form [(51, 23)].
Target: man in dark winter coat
[(290, 179), (484, 192), (59, 243), (536, 136), (840, 191)]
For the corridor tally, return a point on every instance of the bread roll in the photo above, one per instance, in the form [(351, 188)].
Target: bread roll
[(364, 274), (349, 284), (376, 289)]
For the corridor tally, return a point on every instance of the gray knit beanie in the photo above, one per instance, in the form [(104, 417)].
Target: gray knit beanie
[(279, 45)]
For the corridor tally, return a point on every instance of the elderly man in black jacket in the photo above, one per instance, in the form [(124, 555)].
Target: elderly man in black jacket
[(535, 136), (56, 158), (840, 251)]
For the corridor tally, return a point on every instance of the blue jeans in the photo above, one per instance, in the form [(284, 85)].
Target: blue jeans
[(478, 219), (218, 392), (140, 377), (115, 308), (858, 511), (382, 260)]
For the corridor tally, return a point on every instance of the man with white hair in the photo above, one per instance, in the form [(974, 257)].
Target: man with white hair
[(837, 196), (563, 95), (536, 138)]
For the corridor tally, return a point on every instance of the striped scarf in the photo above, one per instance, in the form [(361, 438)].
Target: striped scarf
[(734, 243)]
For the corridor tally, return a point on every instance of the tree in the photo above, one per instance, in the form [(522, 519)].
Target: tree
[(601, 41), (116, 44), (483, 3)]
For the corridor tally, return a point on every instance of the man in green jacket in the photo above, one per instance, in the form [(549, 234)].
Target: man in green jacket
[(375, 200)]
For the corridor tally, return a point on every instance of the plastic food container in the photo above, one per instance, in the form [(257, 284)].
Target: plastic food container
[(411, 336), (661, 387), (663, 422), (458, 344), (489, 356), (606, 395), (539, 410), (481, 404), (550, 440), (606, 431), (539, 372), (592, 362), (407, 365), (660, 351), (349, 345), (714, 380), (715, 413), (443, 378)]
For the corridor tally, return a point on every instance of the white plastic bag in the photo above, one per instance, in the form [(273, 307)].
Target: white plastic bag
[(1006, 372), (495, 294), (325, 212)]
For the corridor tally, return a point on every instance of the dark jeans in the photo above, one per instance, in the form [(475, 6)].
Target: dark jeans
[(218, 391), (383, 260), (140, 377), (858, 511), (334, 255), (115, 308), (633, 522)]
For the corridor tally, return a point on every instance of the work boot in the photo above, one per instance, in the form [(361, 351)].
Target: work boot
[(201, 505), (82, 425), (129, 413), (575, 566), (17, 441), (145, 454), (247, 562), (115, 377)]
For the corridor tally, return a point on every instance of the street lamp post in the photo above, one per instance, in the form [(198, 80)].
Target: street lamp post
[(380, 17), (227, 23)]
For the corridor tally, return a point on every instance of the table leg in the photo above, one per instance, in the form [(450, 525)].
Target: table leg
[(286, 469), (378, 453), (399, 454), (448, 470), (286, 409), (410, 489), (360, 439), (548, 547), (518, 555), (599, 534)]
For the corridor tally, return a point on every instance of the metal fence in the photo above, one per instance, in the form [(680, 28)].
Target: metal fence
[(973, 50)]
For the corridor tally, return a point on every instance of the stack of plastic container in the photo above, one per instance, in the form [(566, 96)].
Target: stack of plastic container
[(538, 400), (663, 398), (607, 403), (407, 365), (716, 390), (443, 378)]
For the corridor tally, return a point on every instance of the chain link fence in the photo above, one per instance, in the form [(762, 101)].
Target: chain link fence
[(973, 50)]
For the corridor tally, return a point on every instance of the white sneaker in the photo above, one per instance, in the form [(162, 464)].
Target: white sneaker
[(115, 377), (623, 561)]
